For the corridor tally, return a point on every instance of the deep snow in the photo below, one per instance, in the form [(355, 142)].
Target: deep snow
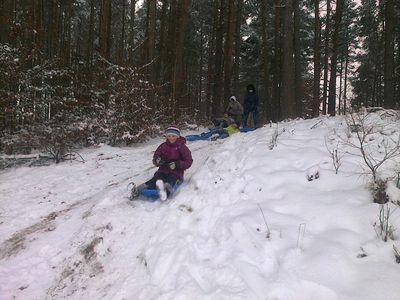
[(68, 231)]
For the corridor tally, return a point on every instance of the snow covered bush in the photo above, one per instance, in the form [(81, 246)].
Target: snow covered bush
[(376, 139), (385, 229)]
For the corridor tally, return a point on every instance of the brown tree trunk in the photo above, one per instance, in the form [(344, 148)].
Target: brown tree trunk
[(297, 63), (162, 45), (238, 39), (178, 91), (210, 68), (217, 91), (132, 32), (389, 55), (121, 55), (89, 50), (6, 8), (317, 61), (228, 53), (288, 82), (345, 82), (332, 81), (151, 39), (326, 57), (105, 29), (267, 103), (276, 91), (340, 87)]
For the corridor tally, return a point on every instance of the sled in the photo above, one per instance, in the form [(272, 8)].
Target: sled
[(205, 136), (153, 195)]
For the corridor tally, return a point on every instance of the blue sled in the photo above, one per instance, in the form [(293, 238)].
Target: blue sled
[(207, 135), (154, 194)]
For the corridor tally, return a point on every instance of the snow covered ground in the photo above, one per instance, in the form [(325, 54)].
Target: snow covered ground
[(68, 231)]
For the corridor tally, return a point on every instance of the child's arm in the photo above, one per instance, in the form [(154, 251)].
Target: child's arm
[(186, 158), (158, 161)]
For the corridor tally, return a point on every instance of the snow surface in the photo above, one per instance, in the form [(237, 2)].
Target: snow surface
[(246, 224)]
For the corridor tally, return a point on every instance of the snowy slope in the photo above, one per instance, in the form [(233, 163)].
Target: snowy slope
[(68, 231)]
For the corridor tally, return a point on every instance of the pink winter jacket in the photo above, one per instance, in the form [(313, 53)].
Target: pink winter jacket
[(176, 152)]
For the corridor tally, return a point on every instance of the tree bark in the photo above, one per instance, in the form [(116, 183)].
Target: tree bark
[(238, 39), (121, 55), (298, 83), (228, 53), (89, 50), (266, 70), (132, 32), (276, 91), (151, 39), (389, 55), (217, 91), (105, 28), (179, 72), (326, 56), (288, 82), (317, 61), (332, 81)]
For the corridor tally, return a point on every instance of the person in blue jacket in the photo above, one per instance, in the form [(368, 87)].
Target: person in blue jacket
[(250, 105)]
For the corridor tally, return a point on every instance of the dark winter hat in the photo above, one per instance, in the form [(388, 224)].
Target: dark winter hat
[(173, 130), (250, 88)]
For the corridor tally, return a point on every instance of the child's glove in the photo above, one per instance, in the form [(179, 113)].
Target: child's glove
[(158, 162), (174, 165)]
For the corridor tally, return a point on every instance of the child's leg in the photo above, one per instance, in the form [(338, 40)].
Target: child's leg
[(169, 180), (151, 184)]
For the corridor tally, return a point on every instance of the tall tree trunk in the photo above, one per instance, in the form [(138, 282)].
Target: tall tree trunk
[(238, 39), (132, 32), (5, 20), (297, 61), (326, 56), (179, 71), (389, 55), (68, 48), (317, 61), (162, 45), (39, 37), (151, 38), (276, 91), (89, 50), (217, 91), (345, 81), (121, 55), (332, 81), (340, 86), (211, 65), (228, 53), (105, 28), (288, 82), (265, 55), (200, 74)]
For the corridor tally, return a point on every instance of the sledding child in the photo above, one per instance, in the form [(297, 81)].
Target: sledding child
[(227, 131), (172, 158)]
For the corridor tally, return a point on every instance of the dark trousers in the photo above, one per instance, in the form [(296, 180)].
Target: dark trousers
[(246, 116), (169, 178)]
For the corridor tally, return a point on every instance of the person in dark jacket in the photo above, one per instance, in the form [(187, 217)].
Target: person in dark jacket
[(250, 105), (235, 109), (172, 158)]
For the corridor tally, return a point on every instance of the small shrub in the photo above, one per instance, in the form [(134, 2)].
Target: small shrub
[(378, 191), (384, 229)]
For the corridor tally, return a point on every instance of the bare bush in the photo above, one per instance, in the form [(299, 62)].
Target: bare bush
[(375, 143), (384, 228)]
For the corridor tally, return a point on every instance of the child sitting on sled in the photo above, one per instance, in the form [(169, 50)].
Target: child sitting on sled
[(172, 157), (227, 131)]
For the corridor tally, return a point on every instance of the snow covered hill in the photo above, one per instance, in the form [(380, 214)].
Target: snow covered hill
[(246, 224)]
